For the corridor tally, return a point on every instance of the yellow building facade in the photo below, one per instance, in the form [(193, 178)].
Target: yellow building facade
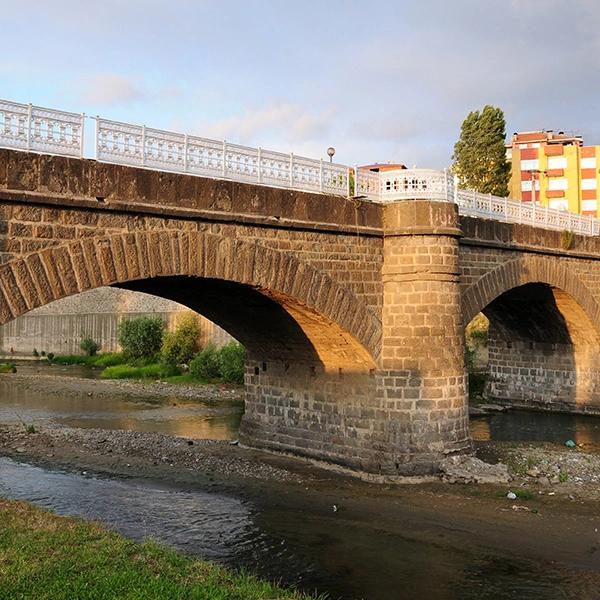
[(555, 170)]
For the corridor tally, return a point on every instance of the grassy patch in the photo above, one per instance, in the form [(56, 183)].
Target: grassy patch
[(46, 557), (108, 359), (521, 493), (8, 368), (151, 371)]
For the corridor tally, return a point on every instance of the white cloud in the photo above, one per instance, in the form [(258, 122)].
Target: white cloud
[(109, 89), (283, 121)]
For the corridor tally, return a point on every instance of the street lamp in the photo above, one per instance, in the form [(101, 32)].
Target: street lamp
[(330, 153), (533, 173)]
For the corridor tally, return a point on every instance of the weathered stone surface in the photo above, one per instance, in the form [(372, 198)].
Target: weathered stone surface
[(468, 469), (353, 315)]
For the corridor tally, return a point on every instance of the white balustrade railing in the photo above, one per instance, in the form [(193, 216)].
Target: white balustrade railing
[(155, 149), (410, 184), (37, 129), (32, 128)]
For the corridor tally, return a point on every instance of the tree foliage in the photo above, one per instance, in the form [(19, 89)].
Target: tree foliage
[(141, 337), (205, 365), (180, 346), (89, 346), (480, 155)]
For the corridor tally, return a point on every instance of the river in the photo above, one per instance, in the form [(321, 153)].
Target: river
[(290, 541)]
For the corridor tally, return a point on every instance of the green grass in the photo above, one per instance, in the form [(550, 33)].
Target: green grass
[(522, 494), (7, 368), (46, 557), (107, 359), (151, 371)]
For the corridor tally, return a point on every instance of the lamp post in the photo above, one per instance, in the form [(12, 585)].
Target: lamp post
[(330, 153), (533, 173)]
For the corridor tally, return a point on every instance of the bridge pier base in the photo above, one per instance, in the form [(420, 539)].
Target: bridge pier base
[(422, 381), (408, 413)]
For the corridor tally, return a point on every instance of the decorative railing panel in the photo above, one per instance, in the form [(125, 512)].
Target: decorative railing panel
[(144, 147), (37, 129), (32, 128)]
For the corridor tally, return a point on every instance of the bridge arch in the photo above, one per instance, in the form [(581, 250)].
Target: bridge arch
[(162, 262), (543, 335), (521, 271)]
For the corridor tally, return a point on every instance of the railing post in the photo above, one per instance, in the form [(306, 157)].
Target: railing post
[(348, 171), (356, 186), (143, 145), (446, 195), (533, 213), (224, 166), (455, 188), (29, 114), (490, 203), (185, 153), (81, 135), (259, 165), (97, 137), (291, 169), (321, 175), (506, 208)]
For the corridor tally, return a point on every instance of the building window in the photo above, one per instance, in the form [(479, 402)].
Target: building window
[(588, 163), (588, 184), (558, 204), (588, 205), (526, 185), (557, 162), (530, 165), (558, 183)]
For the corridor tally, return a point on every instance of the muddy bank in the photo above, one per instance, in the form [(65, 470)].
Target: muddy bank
[(142, 453)]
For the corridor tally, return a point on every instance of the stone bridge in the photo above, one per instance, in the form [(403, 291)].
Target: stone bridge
[(353, 313)]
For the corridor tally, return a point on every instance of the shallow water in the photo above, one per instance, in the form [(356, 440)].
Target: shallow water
[(185, 417), (536, 426), (328, 552)]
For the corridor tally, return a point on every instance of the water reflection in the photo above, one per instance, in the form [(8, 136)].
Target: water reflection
[(184, 417), (537, 426)]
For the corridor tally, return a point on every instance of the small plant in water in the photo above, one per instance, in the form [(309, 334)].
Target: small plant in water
[(30, 429), (563, 477)]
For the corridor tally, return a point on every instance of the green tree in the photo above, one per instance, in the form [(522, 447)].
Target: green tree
[(232, 360), (141, 337), (180, 346), (205, 365), (89, 346), (479, 158)]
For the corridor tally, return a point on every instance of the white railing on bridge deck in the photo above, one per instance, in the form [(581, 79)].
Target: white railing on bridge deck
[(36, 129), (33, 128), (142, 146), (406, 184)]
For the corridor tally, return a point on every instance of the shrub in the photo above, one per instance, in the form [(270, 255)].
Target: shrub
[(181, 345), (205, 365), (50, 356), (232, 358), (35, 352), (89, 346), (141, 337)]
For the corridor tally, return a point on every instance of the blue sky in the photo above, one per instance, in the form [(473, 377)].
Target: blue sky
[(385, 81)]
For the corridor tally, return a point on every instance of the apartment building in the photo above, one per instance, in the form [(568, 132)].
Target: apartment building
[(555, 170)]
